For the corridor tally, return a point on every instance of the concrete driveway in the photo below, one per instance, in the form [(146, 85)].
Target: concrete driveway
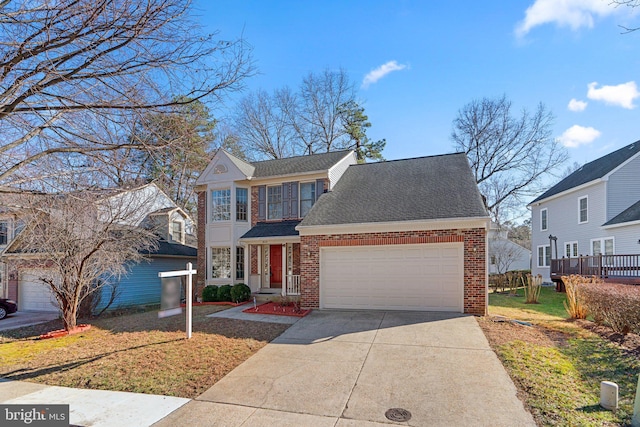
[(26, 318), (339, 368)]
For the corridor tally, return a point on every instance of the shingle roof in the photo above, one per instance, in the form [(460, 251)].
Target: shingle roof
[(273, 229), (300, 164), (593, 170), (632, 213), (174, 249), (436, 187)]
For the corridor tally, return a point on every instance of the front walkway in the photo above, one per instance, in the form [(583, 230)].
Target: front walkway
[(236, 313), (340, 368)]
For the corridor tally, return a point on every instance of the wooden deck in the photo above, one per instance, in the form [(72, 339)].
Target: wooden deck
[(609, 268)]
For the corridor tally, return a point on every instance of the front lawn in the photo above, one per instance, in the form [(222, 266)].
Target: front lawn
[(136, 353), (558, 364)]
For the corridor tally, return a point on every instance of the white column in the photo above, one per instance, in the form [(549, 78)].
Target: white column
[(284, 269), (247, 264)]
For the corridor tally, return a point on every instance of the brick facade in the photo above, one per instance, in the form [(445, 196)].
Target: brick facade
[(475, 290)]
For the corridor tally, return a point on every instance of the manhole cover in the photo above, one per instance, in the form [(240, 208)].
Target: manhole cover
[(398, 414)]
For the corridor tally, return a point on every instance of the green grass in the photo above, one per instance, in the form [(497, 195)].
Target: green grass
[(558, 365), (551, 303)]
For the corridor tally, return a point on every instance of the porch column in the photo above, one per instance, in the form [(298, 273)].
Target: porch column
[(284, 269), (247, 264)]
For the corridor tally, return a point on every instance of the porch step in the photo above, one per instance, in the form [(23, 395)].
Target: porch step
[(265, 297)]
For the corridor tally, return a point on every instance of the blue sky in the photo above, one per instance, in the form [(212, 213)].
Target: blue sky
[(427, 59)]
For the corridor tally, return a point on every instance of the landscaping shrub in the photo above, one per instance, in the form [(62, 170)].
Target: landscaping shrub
[(532, 287), (575, 304), (210, 293), (615, 305), (240, 292), (224, 293)]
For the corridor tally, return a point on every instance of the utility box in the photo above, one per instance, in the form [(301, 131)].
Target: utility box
[(609, 395)]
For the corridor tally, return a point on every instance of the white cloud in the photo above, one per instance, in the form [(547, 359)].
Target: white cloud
[(564, 13), (575, 105), (578, 135), (621, 95), (378, 73)]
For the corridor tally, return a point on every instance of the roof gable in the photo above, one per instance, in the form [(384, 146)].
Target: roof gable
[(631, 214), (591, 171), (425, 188), (225, 167)]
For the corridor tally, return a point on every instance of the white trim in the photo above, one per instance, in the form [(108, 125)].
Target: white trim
[(580, 209), (391, 226), (602, 245), (622, 224), (571, 243), (621, 165), (279, 179), (546, 228), (269, 240), (544, 255), (565, 192)]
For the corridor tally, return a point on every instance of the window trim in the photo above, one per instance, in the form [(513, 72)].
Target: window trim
[(213, 249), (246, 210), (546, 252), (313, 198), (7, 232), (571, 252), (213, 208), (580, 199), (182, 230), (268, 216), (602, 241), (544, 223), (239, 263)]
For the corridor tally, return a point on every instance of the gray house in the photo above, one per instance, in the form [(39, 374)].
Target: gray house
[(594, 211)]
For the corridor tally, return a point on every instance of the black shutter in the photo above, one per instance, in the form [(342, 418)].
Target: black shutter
[(286, 200), (262, 202)]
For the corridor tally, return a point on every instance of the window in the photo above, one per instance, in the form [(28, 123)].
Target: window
[(274, 202), (177, 234), (602, 246), (307, 197), (4, 232), (239, 263), (543, 219), (221, 205), (241, 204), (544, 256), (220, 263), (493, 260), (583, 210), (571, 249)]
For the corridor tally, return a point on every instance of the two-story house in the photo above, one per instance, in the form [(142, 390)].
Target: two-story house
[(146, 206), (406, 234), (593, 211)]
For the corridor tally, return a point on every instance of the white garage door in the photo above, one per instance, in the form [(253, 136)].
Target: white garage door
[(33, 294), (425, 277)]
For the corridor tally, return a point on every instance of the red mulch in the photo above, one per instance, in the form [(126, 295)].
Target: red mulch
[(62, 333), (277, 309)]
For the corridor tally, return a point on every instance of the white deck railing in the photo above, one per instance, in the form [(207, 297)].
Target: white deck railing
[(293, 284)]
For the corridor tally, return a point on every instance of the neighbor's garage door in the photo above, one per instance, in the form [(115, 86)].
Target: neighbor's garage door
[(426, 277), (33, 294)]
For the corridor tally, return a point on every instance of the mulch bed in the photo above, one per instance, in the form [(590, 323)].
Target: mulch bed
[(277, 309), (62, 333)]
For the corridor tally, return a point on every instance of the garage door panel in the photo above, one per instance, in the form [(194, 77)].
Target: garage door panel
[(33, 294), (395, 277)]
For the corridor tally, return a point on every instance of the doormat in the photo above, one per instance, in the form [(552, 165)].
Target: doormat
[(277, 309)]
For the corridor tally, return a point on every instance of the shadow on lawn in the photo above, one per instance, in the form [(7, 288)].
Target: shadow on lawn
[(26, 374)]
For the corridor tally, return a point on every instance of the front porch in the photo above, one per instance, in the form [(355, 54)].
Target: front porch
[(274, 269)]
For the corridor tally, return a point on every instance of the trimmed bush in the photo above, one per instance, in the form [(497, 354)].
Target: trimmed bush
[(575, 304), (615, 305), (210, 293), (224, 293), (240, 292)]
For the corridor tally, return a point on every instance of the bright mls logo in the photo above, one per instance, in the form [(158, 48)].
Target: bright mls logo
[(34, 415)]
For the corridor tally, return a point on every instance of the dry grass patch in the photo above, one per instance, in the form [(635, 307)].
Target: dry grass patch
[(136, 353)]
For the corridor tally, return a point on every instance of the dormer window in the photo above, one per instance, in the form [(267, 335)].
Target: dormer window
[(177, 231), (4, 232)]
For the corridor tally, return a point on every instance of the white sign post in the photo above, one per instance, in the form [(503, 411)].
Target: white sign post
[(189, 272)]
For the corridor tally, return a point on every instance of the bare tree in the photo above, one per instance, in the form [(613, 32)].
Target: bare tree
[(628, 3), (509, 155), (69, 67), (83, 241), (504, 253)]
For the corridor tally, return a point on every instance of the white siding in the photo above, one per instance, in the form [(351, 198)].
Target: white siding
[(336, 171), (563, 223), (626, 239), (623, 188)]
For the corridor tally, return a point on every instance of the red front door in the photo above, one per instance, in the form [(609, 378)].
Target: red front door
[(275, 259)]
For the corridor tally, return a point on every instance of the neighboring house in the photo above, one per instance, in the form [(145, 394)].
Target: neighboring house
[(399, 235), (19, 272), (504, 254), (593, 211)]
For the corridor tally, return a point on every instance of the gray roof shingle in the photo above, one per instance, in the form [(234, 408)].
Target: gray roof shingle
[(632, 213), (435, 187), (300, 164), (593, 170), (273, 229), (173, 249)]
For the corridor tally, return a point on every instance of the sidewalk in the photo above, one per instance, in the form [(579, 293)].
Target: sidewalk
[(94, 408)]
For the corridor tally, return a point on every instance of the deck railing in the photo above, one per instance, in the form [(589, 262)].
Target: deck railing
[(602, 266), (293, 284)]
